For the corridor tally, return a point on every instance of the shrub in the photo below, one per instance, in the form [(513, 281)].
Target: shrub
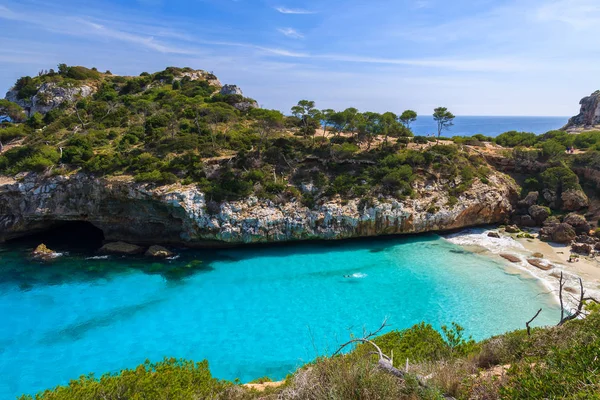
[(560, 179), (168, 379), (514, 139)]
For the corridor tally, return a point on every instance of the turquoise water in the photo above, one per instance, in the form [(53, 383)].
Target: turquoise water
[(251, 312), (490, 126)]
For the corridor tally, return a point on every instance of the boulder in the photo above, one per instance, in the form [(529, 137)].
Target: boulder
[(43, 253), (121, 248), (512, 229), (539, 214), (559, 233), (537, 255), (539, 264), (581, 248), (597, 246), (158, 252), (523, 220), (586, 239), (574, 200), (495, 235), (529, 200), (511, 258), (578, 223)]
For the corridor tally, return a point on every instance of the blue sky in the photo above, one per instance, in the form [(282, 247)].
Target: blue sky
[(477, 57)]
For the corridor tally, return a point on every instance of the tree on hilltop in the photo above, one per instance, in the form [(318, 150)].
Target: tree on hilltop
[(408, 117), (443, 118)]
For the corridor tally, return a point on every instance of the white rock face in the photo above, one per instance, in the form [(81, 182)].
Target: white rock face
[(50, 96), (201, 75), (231, 89), (178, 214)]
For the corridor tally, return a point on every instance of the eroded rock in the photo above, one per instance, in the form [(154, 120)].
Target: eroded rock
[(574, 200), (158, 252), (121, 248)]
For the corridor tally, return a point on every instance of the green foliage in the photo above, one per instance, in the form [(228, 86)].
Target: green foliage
[(455, 339), (11, 110), (168, 379), (552, 148), (514, 139), (443, 118), (419, 343), (560, 179), (587, 140)]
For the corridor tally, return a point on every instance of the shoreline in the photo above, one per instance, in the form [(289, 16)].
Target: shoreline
[(554, 254)]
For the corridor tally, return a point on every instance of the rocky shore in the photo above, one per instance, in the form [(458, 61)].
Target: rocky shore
[(179, 215)]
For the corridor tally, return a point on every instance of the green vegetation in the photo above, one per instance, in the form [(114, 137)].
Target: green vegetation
[(553, 362), (173, 126)]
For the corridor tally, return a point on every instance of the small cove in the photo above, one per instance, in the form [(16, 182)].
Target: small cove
[(251, 312)]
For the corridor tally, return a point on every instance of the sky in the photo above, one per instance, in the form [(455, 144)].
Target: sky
[(476, 57)]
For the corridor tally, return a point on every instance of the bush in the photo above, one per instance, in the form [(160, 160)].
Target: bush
[(560, 179), (168, 379), (162, 178), (419, 343), (514, 139)]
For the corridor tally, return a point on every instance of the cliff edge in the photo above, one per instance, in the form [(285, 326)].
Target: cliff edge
[(588, 118)]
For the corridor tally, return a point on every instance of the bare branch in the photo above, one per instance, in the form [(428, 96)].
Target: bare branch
[(530, 321)]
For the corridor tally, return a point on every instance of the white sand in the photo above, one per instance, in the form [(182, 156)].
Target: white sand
[(557, 255)]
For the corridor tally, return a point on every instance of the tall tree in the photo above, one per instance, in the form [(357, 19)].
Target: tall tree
[(352, 119), (408, 117), (267, 121), (388, 124), (326, 119), (443, 118), (308, 115)]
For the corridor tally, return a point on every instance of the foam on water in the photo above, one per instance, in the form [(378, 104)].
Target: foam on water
[(251, 312)]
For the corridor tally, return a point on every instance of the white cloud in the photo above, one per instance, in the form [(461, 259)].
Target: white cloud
[(285, 10), (580, 14), (291, 33)]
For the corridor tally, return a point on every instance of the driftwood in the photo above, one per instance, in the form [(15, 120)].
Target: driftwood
[(384, 362), (577, 312)]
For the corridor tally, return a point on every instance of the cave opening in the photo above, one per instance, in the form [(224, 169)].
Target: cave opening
[(64, 236)]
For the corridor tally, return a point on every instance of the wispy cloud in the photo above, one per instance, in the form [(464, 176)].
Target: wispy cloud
[(285, 10), (291, 33), (580, 14)]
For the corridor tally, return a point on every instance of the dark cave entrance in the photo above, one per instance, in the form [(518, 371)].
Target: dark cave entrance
[(65, 236)]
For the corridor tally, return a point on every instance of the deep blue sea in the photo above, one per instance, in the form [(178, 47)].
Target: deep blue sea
[(489, 126), (251, 312)]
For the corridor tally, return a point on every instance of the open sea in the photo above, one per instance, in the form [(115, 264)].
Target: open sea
[(489, 126), (252, 312)]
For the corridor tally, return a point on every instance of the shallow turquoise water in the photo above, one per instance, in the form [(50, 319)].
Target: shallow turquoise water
[(250, 312)]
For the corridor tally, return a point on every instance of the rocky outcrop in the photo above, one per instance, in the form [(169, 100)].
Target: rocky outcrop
[(231, 90), (177, 214), (574, 200), (158, 252), (50, 96), (121, 248), (558, 233), (588, 117)]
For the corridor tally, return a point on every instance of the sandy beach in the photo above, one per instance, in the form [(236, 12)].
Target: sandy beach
[(520, 250)]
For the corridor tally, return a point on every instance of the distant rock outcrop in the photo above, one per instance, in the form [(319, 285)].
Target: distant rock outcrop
[(50, 96), (589, 116), (231, 89)]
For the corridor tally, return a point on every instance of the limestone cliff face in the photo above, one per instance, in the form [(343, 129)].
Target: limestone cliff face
[(49, 96), (178, 214), (589, 116)]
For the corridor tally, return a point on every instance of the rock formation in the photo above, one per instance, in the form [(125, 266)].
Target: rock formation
[(589, 116), (137, 213), (50, 96)]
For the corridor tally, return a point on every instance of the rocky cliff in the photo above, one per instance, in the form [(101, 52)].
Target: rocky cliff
[(178, 214), (589, 116)]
